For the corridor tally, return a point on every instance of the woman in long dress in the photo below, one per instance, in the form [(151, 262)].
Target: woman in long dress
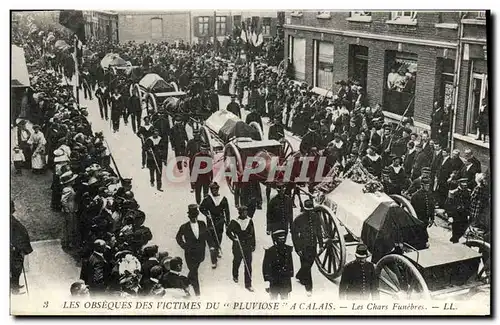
[(37, 142)]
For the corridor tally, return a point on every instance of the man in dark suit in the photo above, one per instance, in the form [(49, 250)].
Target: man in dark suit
[(200, 181), (20, 246), (359, 280), (306, 235), (276, 131), (457, 207), (277, 266), (475, 162), (96, 271), (234, 107), (442, 174), (311, 139), (254, 116), (150, 259), (151, 286), (409, 157), (145, 131), (192, 238), (374, 139), (469, 171), (161, 123), (135, 110), (456, 161), (436, 161), (422, 159), (173, 278)]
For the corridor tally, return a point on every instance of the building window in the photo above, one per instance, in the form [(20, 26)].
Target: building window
[(359, 14), (220, 25), (203, 25), (481, 15), (237, 20), (478, 96), (404, 15), (156, 28), (266, 26), (299, 58), (324, 64), (400, 82), (290, 49)]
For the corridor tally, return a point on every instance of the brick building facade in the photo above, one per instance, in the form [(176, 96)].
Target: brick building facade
[(324, 47), (154, 26)]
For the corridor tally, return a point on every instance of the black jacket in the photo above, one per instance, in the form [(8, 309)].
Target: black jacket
[(306, 231), (246, 236), (194, 248), (277, 267), (279, 213), (359, 282)]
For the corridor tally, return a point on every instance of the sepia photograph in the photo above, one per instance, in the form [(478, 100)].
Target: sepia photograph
[(250, 162)]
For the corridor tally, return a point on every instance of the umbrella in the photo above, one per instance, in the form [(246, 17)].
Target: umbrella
[(112, 59)]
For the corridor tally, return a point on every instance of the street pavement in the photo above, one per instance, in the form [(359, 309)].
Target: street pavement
[(165, 212)]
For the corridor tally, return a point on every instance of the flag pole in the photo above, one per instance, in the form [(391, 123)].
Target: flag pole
[(77, 77)]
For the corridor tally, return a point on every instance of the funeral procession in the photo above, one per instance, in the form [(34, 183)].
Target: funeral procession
[(249, 158)]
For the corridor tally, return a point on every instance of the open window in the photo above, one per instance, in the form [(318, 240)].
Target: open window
[(400, 82)]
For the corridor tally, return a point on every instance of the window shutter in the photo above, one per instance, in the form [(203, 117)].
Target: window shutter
[(229, 26), (196, 27), (274, 23)]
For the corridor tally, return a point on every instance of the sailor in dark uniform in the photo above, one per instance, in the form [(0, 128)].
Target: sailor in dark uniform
[(103, 97), (201, 181), (117, 108), (215, 207), (179, 140), (398, 177), (162, 124), (457, 207), (242, 232), (424, 203), (306, 235), (234, 107), (145, 131), (359, 280), (372, 161), (277, 267), (135, 110), (279, 211), (154, 147)]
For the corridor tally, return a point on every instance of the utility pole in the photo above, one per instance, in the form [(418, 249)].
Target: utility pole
[(215, 32)]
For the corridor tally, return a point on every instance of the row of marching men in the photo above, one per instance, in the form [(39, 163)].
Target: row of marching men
[(277, 265)]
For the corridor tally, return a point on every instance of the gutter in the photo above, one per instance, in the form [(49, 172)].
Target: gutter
[(456, 82)]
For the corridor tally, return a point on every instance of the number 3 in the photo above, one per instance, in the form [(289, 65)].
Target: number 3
[(45, 304)]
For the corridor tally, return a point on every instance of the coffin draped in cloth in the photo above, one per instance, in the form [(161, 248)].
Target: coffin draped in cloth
[(153, 83), (227, 125), (375, 218)]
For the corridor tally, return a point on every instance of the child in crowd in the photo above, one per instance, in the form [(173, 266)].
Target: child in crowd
[(18, 159)]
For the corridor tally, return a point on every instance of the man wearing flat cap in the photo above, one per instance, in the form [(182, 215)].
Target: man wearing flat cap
[(277, 266), (192, 237), (359, 280)]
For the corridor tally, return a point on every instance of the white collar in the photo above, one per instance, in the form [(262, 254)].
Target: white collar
[(397, 169), (116, 97), (154, 280), (243, 223), (99, 254), (373, 158), (175, 272), (445, 159), (411, 151), (217, 199), (152, 259)]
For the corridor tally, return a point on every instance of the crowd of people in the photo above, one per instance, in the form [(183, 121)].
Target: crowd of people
[(104, 226)]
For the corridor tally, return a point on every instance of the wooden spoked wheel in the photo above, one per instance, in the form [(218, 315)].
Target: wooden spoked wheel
[(400, 279), (256, 126), (483, 248), (286, 148), (151, 103), (405, 204), (232, 156), (206, 137), (331, 256)]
